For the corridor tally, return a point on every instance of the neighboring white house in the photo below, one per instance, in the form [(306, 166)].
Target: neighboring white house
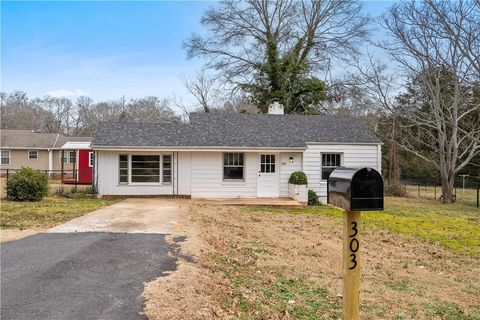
[(219, 155)]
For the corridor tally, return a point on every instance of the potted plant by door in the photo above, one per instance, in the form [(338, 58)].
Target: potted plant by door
[(297, 186)]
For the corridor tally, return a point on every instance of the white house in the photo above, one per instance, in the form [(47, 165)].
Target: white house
[(219, 155)]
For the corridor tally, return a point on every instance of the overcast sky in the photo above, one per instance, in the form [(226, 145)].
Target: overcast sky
[(101, 49)]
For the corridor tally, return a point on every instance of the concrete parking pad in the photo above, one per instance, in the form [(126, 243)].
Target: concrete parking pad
[(135, 215)]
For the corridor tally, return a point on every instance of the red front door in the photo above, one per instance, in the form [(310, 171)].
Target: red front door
[(84, 168)]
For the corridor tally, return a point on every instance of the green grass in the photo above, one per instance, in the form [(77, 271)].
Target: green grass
[(47, 212), (455, 226), (446, 311), (259, 295)]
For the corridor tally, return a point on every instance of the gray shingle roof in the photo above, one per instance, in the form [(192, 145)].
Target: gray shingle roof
[(29, 139), (236, 130)]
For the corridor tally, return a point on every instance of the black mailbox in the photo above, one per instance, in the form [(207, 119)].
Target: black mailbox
[(355, 189)]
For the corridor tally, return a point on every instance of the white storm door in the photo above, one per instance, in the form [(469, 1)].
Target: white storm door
[(268, 184)]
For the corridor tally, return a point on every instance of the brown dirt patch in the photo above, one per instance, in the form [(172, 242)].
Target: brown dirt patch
[(241, 259), (15, 234)]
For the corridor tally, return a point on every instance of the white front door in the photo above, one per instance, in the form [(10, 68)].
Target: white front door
[(268, 184)]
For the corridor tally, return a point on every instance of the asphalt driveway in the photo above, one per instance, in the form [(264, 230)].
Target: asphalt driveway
[(79, 274)]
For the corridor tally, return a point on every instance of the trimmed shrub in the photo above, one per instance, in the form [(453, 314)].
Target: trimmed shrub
[(312, 198), (27, 185), (298, 177)]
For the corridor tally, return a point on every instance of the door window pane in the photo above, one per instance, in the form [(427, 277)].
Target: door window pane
[(267, 163)]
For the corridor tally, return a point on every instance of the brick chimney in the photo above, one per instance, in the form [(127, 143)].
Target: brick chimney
[(275, 108)]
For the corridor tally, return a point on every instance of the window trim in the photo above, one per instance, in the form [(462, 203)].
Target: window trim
[(243, 166), (161, 168), (1, 157), (322, 166), (129, 169), (36, 154), (67, 156), (268, 164), (90, 158)]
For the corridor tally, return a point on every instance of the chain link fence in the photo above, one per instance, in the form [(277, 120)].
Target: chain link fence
[(466, 189)]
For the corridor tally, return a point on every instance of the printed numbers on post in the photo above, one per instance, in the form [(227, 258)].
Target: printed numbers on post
[(354, 245)]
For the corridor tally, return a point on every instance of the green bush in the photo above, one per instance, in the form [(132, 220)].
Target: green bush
[(27, 185), (312, 198), (298, 177)]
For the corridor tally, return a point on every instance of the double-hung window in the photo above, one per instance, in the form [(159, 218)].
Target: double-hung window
[(145, 168), (70, 156), (32, 154), (330, 161), (5, 157), (233, 166)]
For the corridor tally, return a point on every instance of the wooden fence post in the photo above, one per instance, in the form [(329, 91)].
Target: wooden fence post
[(351, 265)]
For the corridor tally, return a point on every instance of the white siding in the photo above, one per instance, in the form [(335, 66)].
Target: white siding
[(183, 174), (108, 177), (207, 177), (286, 169), (355, 156)]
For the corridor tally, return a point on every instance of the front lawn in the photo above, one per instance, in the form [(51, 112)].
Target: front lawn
[(420, 260), (47, 212), (455, 226)]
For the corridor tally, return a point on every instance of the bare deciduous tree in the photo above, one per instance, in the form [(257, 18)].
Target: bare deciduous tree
[(268, 48), (439, 115)]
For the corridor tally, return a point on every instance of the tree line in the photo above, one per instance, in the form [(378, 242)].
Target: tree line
[(78, 117)]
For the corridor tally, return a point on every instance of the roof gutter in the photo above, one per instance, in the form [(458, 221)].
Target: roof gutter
[(183, 148), (346, 143)]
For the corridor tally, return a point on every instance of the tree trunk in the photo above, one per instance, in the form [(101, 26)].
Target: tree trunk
[(447, 187)]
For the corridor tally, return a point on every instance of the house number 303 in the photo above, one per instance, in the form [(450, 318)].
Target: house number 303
[(354, 245)]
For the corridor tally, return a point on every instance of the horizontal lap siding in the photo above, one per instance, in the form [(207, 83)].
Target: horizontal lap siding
[(286, 169), (353, 156), (108, 178), (183, 174), (207, 177)]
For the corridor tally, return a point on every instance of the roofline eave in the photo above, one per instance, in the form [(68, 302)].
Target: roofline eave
[(193, 148)]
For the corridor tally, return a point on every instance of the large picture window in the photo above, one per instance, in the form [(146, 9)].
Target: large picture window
[(145, 168), (233, 166), (5, 159), (330, 161)]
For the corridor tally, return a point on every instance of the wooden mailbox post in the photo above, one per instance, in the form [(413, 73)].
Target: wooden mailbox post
[(353, 190)]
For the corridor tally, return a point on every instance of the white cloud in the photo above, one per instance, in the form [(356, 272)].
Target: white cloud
[(63, 93)]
